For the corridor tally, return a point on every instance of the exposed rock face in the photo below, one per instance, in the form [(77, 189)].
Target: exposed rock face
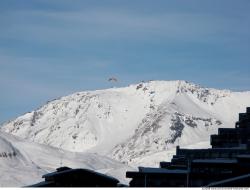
[(133, 123)]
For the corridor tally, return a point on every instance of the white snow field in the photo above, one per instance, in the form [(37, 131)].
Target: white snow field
[(23, 163), (138, 125)]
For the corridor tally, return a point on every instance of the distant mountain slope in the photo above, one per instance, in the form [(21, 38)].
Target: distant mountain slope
[(23, 163), (133, 123)]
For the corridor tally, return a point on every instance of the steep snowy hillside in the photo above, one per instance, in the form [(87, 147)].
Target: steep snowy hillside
[(133, 123), (23, 163)]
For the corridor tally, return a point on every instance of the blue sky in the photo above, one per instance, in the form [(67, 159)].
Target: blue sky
[(51, 48)]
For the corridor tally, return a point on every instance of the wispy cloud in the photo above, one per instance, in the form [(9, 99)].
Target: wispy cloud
[(62, 27)]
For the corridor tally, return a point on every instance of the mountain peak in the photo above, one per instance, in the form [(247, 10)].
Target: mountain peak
[(154, 115)]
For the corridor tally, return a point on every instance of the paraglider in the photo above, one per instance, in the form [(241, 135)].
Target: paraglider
[(112, 79)]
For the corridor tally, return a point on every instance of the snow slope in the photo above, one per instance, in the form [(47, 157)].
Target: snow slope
[(23, 163), (134, 124)]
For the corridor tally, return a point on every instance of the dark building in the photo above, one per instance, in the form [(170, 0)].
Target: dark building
[(67, 177), (226, 164)]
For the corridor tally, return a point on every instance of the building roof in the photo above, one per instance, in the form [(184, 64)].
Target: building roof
[(161, 170), (243, 156), (68, 171), (215, 161), (43, 184), (228, 182)]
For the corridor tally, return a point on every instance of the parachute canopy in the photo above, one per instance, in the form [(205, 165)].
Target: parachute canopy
[(112, 79)]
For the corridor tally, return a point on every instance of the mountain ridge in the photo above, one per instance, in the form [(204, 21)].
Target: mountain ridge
[(23, 163), (132, 122)]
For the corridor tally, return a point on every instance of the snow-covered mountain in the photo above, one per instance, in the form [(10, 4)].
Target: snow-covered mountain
[(23, 163), (138, 124)]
